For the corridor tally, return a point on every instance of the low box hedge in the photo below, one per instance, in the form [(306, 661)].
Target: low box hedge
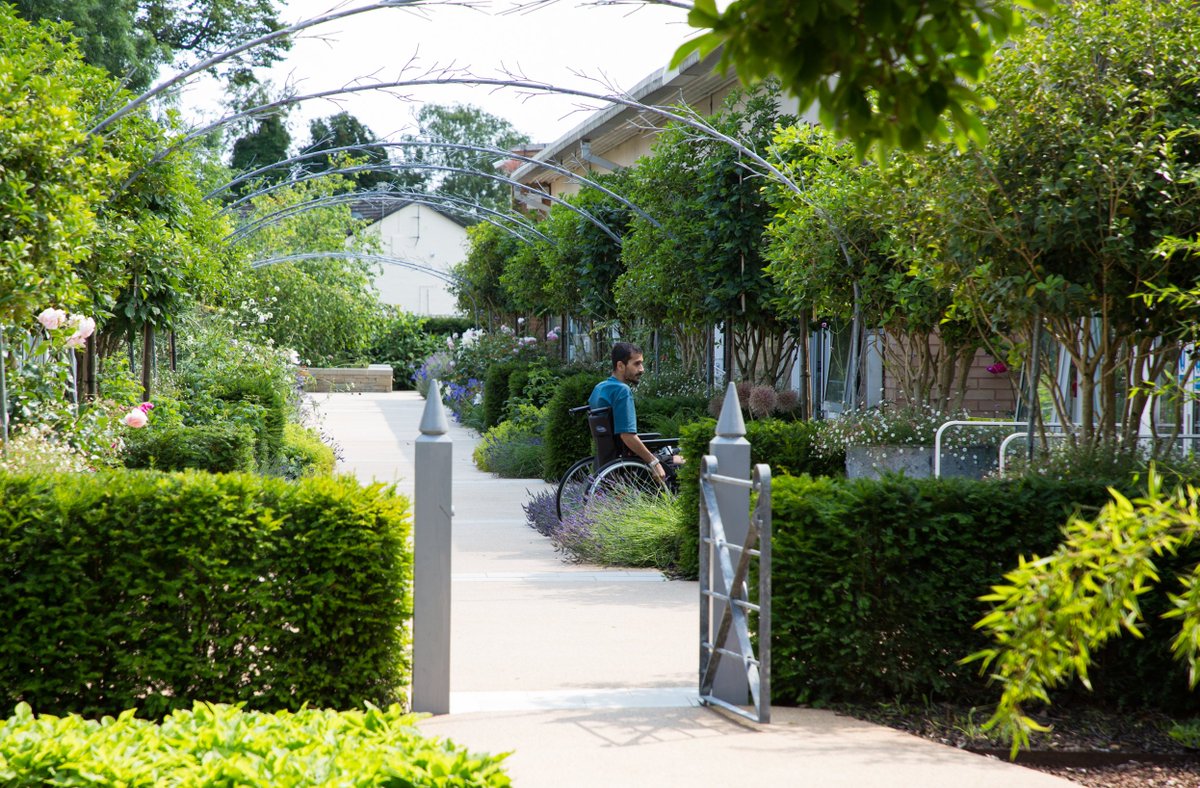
[(876, 586), (152, 590), (222, 745), (217, 448)]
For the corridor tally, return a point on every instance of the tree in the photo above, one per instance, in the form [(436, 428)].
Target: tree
[(478, 282), (52, 176), (884, 73), (1055, 226), (704, 265), (324, 309), (464, 124), (344, 130), (267, 144), (132, 39), (853, 246)]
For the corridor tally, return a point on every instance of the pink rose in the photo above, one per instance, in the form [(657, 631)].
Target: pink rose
[(52, 318), (84, 326), (75, 341), (146, 407), (135, 418)]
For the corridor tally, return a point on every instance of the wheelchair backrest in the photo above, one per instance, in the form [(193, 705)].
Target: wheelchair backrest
[(608, 448)]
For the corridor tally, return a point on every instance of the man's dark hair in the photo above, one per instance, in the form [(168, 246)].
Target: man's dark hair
[(623, 351)]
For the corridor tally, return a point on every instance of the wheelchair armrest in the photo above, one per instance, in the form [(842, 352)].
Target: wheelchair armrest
[(659, 443), (645, 436)]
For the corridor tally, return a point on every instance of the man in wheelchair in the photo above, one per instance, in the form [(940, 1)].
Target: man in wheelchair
[(616, 394)]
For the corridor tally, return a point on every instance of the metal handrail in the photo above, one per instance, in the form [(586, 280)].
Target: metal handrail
[(937, 438), (734, 616), (1010, 438)]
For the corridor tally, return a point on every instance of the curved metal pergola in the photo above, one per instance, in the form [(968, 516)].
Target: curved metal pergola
[(437, 273), (354, 170), (308, 155), (433, 200)]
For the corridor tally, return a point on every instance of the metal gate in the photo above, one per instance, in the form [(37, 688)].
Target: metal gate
[(725, 593)]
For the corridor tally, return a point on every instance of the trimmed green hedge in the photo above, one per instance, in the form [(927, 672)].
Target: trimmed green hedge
[(222, 745), (787, 446), (495, 392), (876, 586), (304, 453), (151, 590), (567, 437), (217, 448)]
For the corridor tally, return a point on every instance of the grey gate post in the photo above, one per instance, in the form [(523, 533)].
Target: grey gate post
[(432, 510), (732, 451)]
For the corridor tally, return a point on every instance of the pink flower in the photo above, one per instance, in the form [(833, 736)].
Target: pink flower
[(51, 318), (146, 407), (75, 341), (552, 336), (84, 326), (135, 418), (999, 368)]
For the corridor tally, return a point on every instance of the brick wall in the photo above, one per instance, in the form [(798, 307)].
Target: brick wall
[(987, 394)]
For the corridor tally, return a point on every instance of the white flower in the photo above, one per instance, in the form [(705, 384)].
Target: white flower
[(51, 318)]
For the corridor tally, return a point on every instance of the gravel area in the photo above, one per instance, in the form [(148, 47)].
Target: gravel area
[(1089, 747)]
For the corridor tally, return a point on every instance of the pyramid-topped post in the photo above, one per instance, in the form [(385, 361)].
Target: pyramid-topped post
[(433, 419), (731, 424), (432, 508), (732, 451)]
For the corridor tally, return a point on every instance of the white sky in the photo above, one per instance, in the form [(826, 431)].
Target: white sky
[(566, 43)]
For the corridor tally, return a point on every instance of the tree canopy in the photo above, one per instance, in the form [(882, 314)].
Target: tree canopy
[(464, 124), (885, 73), (132, 39)]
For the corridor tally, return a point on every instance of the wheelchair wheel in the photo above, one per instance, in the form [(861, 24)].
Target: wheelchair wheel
[(622, 480), (573, 487)]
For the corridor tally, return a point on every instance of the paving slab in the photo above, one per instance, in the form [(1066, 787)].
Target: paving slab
[(587, 674)]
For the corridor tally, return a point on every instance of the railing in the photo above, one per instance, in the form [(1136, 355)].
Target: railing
[(937, 438), (1182, 436), (735, 606)]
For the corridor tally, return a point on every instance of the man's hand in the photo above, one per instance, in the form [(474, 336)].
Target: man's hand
[(659, 472)]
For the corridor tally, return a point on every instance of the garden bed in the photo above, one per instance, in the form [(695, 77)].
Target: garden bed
[(1091, 747)]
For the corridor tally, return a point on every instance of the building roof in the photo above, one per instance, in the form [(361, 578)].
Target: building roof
[(379, 209), (693, 79)]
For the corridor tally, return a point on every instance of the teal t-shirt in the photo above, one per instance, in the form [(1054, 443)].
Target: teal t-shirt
[(617, 395)]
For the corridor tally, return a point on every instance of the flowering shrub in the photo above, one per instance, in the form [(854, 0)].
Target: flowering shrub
[(464, 401), (439, 366), (477, 350), (903, 425), (513, 449), (758, 402), (638, 529), (541, 512)]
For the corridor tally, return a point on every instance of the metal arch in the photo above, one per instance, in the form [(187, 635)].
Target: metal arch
[(436, 273), (439, 168), (461, 206), (452, 146), (444, 276), (223, 56), (338, 199), (536, 87)]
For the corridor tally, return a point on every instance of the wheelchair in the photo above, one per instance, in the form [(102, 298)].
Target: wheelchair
[(614, 471)]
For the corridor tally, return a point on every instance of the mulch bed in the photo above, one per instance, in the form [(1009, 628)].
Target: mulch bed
[(1090, 747)]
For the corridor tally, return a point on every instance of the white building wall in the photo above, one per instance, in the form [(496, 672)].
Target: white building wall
[(419, 234)]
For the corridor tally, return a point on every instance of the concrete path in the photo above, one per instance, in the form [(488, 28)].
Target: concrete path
[(588, 674)]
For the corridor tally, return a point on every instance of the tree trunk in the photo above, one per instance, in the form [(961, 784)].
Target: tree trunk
[(147, 360)]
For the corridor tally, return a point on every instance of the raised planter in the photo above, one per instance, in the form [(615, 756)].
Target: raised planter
[(374, 378), (871, 462)]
